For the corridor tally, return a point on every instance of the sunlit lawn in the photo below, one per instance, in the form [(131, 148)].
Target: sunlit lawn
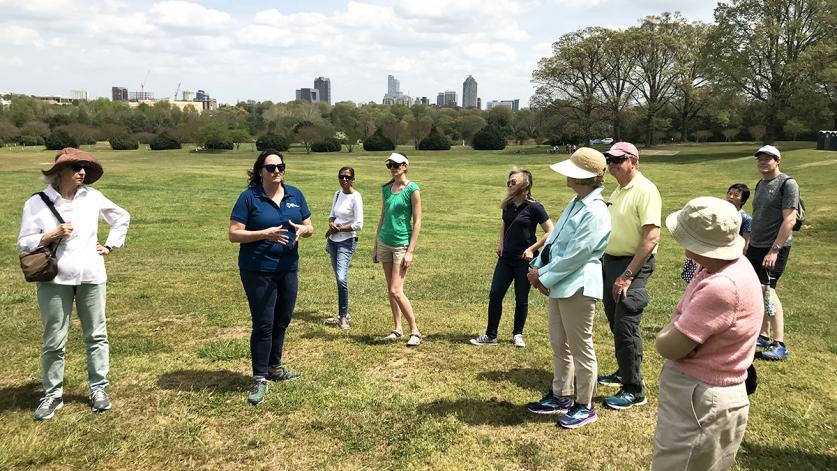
[(179, 327)]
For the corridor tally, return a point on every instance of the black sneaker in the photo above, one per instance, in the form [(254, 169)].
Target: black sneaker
[(610, 380), (99, 401), (46, 409), (624, 400), (281, 374)]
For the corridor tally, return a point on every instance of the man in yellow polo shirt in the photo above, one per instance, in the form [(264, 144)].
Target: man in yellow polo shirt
[(635, 213)]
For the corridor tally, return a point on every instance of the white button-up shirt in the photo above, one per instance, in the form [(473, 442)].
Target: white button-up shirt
[(78, 261)]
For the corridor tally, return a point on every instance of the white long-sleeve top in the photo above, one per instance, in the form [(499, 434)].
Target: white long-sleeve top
[(78, 261), (347, 209)]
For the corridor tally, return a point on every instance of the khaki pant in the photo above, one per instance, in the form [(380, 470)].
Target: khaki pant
[(573, 357), (699, 426)]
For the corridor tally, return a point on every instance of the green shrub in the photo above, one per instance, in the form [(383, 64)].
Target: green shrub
[(434, 141), (164, 141), (59, 139), (30, 140), (328, 144), (219, 143), (123, 143), (273, 141), (378, 141), (489, 138)]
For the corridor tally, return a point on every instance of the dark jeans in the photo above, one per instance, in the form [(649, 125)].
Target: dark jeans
[(271, 297), (624, 318), (506, 271)]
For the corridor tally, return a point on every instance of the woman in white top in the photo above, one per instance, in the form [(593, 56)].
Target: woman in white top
[(341, 239), (81, 274)]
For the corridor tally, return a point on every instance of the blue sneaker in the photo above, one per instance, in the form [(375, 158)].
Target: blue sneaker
[(578, 416), (624, 400), (551, 404), (611, 380), (775, 352), (763, 342)]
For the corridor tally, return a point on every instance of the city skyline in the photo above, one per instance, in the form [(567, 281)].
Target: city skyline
[(250, 50)]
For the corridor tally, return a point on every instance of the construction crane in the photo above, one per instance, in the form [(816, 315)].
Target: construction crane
[(177, 91), (142, 85)]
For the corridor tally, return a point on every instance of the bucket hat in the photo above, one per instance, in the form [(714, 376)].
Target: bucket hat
[(584, 163), (708, 226), (70, 155)]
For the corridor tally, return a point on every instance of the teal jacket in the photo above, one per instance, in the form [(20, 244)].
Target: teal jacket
[(578, 242)]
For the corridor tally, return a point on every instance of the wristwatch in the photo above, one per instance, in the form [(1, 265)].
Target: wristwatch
[(110, 249), (628, 274), (776, 248)]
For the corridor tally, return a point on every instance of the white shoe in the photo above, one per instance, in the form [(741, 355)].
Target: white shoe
[(518, 341), (483, 340)]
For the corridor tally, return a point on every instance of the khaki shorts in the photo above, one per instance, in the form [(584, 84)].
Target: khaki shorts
[(391, 253)]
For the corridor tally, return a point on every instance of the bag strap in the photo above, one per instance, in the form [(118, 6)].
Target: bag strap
[(49, 205), (516, 218)]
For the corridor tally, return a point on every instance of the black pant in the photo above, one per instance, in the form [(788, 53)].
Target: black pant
[(624, 318), (272, 297), (506, 271)]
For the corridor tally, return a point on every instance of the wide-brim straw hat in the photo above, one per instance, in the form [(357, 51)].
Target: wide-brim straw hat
[(584, 163), (708, 226), (70, 155)]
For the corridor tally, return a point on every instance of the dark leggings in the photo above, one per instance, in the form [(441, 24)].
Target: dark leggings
[(506, 271), (271, 297)]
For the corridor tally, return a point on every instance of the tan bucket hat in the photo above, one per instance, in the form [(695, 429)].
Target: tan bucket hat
[(584, 163), (70, 155), (708, 226)]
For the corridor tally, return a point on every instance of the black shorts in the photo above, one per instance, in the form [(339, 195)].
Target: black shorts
[(756, 256)]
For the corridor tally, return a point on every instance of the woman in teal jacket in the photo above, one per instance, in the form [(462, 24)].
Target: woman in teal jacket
[(569, 271)]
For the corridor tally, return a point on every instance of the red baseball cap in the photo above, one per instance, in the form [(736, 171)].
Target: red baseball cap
[(623, 148)]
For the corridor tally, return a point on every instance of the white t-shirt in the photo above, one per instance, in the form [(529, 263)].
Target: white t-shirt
[(347, 209)]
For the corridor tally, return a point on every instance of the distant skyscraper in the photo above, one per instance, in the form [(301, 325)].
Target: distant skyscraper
[(423, 100), (119, 93), (440, 99), (450, 98), (513, 104), (469, 93), (78, 95), (311, 95), (323, 85), (479, 103), (202, 96), (393, 85), (189, 95)]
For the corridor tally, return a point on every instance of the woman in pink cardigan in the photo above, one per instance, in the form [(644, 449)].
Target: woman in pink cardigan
[(709, 343)]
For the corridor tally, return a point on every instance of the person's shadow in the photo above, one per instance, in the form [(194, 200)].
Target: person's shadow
[(26, 396), (536, 379), (221, 381)]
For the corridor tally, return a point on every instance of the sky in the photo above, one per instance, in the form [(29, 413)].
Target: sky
[(265, 50)]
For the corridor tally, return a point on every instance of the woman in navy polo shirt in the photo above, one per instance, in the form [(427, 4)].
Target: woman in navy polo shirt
[(267, 220), (520, 219)]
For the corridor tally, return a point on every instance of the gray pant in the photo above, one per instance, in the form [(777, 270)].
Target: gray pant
[(624, 318), (56, 303)]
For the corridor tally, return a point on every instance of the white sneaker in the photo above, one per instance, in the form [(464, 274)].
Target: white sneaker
[(518, 341), (332, 320), (483, 340)]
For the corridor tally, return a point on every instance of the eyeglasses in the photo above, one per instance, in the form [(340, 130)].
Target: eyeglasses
[(393, 165), (271, 168), (511, 183), (345, 177), (78, 167), (616, 160)]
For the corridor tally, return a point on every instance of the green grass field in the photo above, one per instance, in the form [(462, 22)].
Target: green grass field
[(179, 327)]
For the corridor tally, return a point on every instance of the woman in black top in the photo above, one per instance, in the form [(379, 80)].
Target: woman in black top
[(517, 246)]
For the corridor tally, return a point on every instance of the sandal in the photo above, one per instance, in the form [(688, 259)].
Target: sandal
[(415, 340), (393, 336)]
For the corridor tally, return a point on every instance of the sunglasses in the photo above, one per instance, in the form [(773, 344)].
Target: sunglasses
[(393, 165), (616, 160), (345, 177), (511, 183), (78, 167), (274, 167)]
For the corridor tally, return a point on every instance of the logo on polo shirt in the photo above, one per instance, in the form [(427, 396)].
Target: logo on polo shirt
[(291, 205)]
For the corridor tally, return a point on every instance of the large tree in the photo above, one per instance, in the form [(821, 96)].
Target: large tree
[(759, 44), (616, 88), (692, 75)]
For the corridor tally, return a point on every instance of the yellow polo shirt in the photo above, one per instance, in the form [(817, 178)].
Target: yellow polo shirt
[(631, 207)]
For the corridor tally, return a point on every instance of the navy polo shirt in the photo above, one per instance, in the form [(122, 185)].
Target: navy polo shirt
[(257, 211)]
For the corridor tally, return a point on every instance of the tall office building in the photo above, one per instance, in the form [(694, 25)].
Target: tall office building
[(119, 93), (189, 95), (446, 98), (323, 85), (78, 95), (393, 85), (311, 95), (202, 96), (513, 104), (469, 93)]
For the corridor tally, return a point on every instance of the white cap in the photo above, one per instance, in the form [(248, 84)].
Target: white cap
[(769, 150), (397, 158)]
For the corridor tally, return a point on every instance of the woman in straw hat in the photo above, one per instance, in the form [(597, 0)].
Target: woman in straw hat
[(569, 271), (81, 277), (709, 343)]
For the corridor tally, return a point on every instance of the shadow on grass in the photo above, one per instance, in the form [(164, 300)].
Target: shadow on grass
[(211, 380), (762, 457), (481, 412), (26, 396), (308, 316), (531, 378)]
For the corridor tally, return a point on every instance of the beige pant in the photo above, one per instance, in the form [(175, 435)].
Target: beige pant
[(573, 357), (391, 253), (699, 426)]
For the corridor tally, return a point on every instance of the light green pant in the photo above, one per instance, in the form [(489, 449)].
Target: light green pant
[(56, 303)]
